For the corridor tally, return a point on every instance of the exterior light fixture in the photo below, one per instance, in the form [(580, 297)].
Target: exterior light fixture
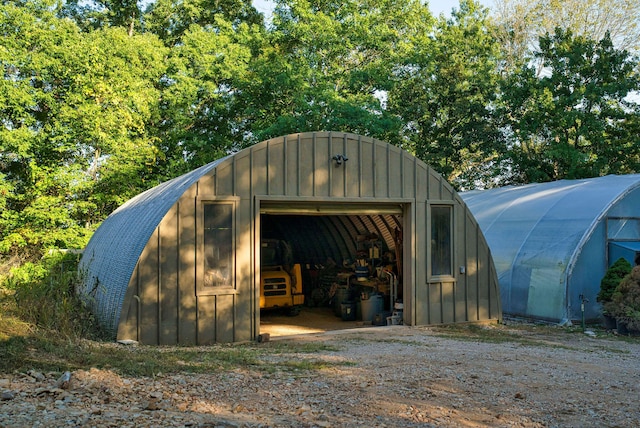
[(339, 159)]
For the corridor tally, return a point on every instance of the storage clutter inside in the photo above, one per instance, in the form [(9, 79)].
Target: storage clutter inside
[(350, 266)]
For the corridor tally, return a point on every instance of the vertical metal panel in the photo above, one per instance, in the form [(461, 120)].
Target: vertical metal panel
[(259, 171), (381, 170), (242, 330), (491, 297), (349, 175), (419, 187), (435, 303), (408, 176), (460, 296), (337, 172), (495, 307), (447, 192), (168, 273), (471, 265), (322, 158), (459, 259), (395, 173), (128, 327), (207, 183), (291, 161), (422, 293), (225, 180), (447, 304), (206, 320), (187, 315), (484, 292), (484, 303), (149, 292), (367, 168), (276, 168), (242, 167), (306, 166), (353, 181), (225, 318), (434, 190)]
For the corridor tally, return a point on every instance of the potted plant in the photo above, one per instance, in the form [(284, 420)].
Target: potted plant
[(625, 304), (608, 285)]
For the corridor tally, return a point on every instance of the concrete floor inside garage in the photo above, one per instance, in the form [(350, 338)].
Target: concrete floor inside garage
[(310, 320)]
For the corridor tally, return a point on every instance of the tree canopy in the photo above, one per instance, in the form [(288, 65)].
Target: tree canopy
[(576, 120), (103, 99)]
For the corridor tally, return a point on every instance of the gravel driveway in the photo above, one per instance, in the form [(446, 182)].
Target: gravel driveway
[(396, 376)]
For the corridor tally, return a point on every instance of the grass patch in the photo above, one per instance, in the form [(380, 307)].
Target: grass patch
[(25, 346), (45, 327), (10, 324), (282, 347), (521, 334), (42, 352)]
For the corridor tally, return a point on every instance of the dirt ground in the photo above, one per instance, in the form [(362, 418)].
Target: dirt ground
[(395, 376)]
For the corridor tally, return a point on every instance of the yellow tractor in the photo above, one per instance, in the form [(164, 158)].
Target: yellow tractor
[(280, 281)]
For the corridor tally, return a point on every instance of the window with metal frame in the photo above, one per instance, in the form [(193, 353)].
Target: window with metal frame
[(441, 240), (218, 245)]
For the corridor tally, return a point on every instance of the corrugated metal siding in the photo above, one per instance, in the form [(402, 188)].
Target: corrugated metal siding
[(161, 304), (112, 253)]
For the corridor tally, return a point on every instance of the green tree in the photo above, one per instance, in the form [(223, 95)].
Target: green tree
[(171, 19), (576, 120), (74, 140), (446, 94), (522, 22), (95, 14), (327, 66), (199, 97)]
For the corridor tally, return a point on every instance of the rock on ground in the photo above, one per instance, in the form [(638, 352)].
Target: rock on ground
[(384, 377)]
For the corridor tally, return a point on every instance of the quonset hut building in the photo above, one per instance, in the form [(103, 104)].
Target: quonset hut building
[(553, 242), (144, 267)]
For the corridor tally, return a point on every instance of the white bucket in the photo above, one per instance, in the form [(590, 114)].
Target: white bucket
[(394, 320)]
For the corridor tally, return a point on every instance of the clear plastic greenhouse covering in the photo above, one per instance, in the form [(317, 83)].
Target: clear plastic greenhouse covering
[(549, 241)]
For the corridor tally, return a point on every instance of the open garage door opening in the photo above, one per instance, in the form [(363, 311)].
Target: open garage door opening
[(344, 264)]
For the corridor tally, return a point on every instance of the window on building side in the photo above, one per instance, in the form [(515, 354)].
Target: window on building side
[(218, 245), (441, 221)]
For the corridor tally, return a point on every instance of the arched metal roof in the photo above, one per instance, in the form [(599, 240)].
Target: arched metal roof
[(537, 232)]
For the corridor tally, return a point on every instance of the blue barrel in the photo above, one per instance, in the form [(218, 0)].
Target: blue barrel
[(372, 306)]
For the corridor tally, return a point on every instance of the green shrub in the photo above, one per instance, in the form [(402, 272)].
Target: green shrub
[(612, 278), (45, 296), (625, 301)]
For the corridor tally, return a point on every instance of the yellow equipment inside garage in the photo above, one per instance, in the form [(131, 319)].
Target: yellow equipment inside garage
[(280, 280)]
